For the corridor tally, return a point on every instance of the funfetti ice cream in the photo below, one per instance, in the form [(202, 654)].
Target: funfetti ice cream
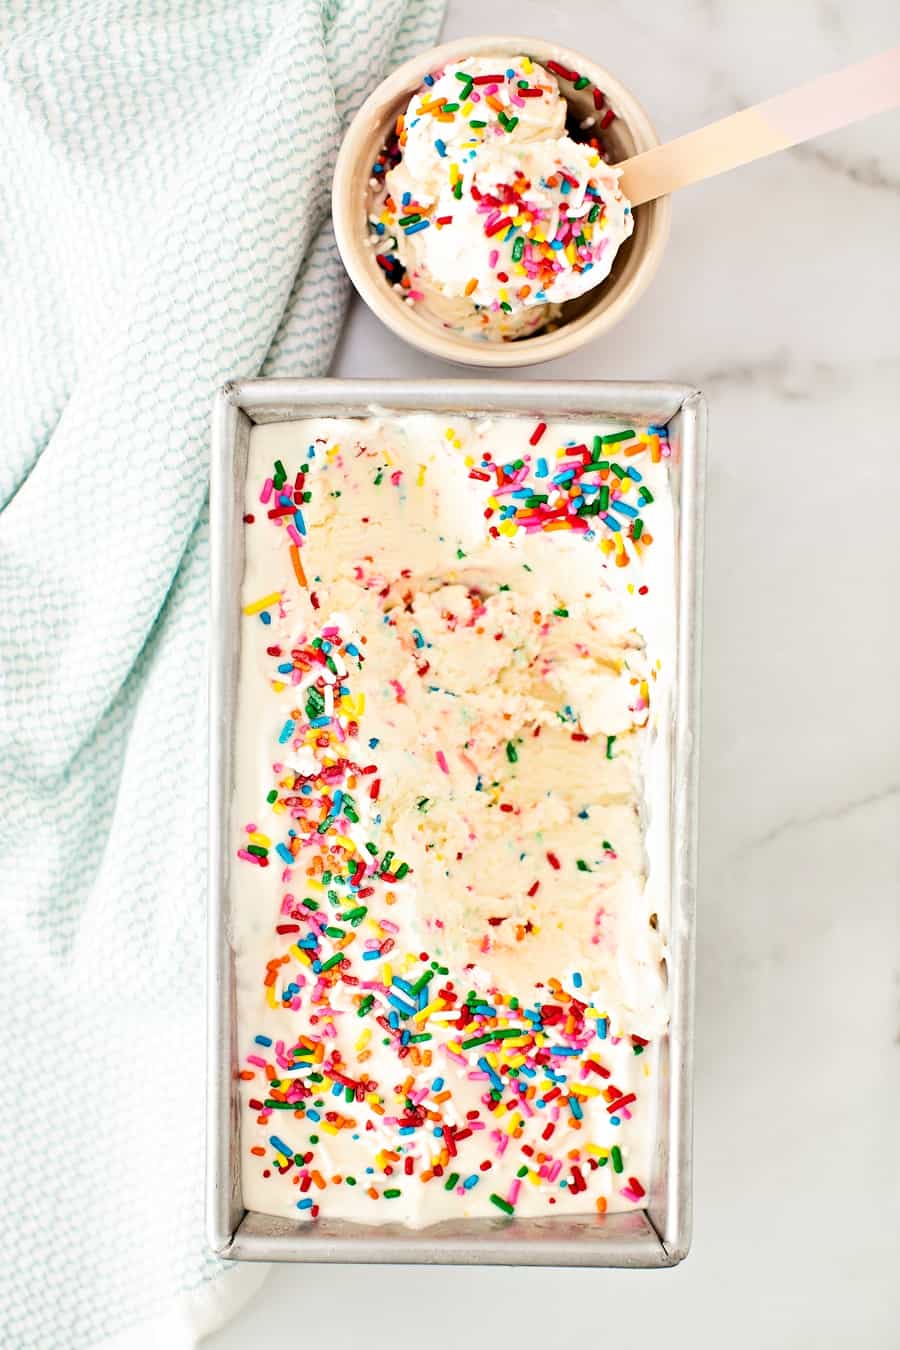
[(449, 836), (490, 215)]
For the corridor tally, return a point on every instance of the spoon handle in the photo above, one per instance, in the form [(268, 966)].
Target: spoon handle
[(836, 100)]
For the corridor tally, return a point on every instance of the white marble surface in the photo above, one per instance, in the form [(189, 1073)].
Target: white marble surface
[(780, 299)]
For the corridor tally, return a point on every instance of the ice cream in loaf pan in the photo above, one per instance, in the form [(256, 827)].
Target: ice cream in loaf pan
[(450, 824)]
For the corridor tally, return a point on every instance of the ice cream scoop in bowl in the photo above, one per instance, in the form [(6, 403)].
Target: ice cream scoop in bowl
[(521, 254)]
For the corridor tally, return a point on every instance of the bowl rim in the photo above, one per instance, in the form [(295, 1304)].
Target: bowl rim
[(403, 81)]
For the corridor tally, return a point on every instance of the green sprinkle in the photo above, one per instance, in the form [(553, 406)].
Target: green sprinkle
[(333, 932), (257, 851), (512, 753), (311, 904), (451, 107), (391, 1193), (615, 436), (451, 1181), (561, 613), (349, 1181), (582, 82), (506, 306), (401, 871), (582, 865), (610, 742), (597, 446), (518, 249), (280, 476), (313, 1138), (593, 214), (355, 916), (512, 123), (477, 1040), (522, 1172), (332, 961), (616, 1155), (637, 529), (646, 496), (502, 1204), (463, 76), (410, 220), (603, 497), (272, 796), (422, 1036), (478, 125)]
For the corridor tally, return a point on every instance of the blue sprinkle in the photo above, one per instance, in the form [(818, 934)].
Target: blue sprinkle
[(441, 148), (313, 1115), (510, 73), (429, 80), (437, 1085), (614, 1120), (308, 943), (285, 669), (634, 475), (404, 1038), (263, 1040), (623, 508), (576, 978), (299, 523), (565, 187), (371, 955), (471, 1181), (575, 1108), (612, 523), (320, 722), (406, 198), (407, 1129), (653, 430), (563, 1050), (402, 984), (373, 740), (557, 244), (305, 1203), (278, 1143), (326, 646), (306, 789), (285, 854), (542, 469), (286, 732), (336, 801), (419, 225), (352, 649), (401, 1005), (379, 228), (265, 617), (418, 638), (602, 1027)]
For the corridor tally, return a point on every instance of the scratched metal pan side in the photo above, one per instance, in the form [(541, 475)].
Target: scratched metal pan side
[(653, 1238)]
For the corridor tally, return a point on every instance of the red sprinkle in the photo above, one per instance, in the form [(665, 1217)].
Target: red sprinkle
[(537, 433), (636, 1186), (553, 860)]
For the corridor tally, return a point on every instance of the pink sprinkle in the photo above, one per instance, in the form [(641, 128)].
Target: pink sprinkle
[(514, 1189), (294, 536), (416, 295), (266, 491), (442, 761), (251, 857), (257, 1060), (396, 476), (493, 256), (629, 1194)]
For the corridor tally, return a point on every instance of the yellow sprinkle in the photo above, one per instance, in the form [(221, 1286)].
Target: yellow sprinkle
[(420, 478), (449, 434), (332, 451), (329, 1129), (387, 974), (507, 527), (315, 885), (596, 1151), (455, 1047), (424, 1013), (279, 808), (492, 502), (466, 108), (364, 1039), (265, 603), (585, 1090), (534, 1178), (300, 954), (270, 996), (279, 686), (345, 842), (527, 65), (263, 839)]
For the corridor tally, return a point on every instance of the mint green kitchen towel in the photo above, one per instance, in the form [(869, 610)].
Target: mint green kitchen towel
[(165, 169)]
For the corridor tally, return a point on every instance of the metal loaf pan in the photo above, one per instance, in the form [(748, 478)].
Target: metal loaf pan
[(655, 1237)]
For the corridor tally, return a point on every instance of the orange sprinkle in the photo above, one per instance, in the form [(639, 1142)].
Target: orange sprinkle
[(257, 1151), (601, 1204), (372, 1192), (298, 566), (247, 1075), (318, 1180), (471, 285)]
